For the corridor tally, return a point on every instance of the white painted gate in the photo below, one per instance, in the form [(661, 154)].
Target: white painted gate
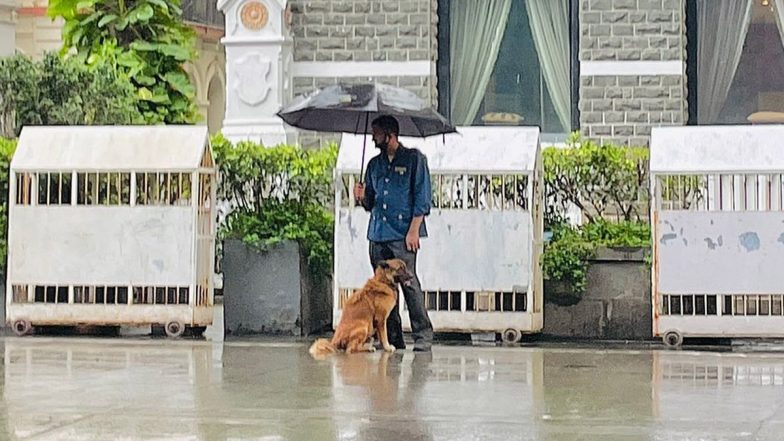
[(479, 269), (111, 226), (718, 231)]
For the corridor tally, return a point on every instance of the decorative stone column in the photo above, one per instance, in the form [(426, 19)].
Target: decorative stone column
[(7, 27), (259, 54)]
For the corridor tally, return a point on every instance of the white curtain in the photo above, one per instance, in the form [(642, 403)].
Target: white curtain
[(476, 28), (778, 8), (550, 27), (723, 25)]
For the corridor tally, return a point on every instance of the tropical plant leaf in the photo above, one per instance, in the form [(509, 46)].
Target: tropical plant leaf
[(148, 43), (145, 80), (179, 82), (160, 3), (145, 94), (178, 52), (122, 23), (84, 4), (106, 19), (141, 45), (91, 18), (144, 12), (62, 8)]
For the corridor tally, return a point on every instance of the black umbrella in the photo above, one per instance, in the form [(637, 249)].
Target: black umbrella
[(349, 108)]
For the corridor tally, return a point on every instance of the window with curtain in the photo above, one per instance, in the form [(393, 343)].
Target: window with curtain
[(736, 61), (508, 62)]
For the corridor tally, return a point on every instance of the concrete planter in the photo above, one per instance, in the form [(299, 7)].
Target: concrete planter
[(272, 292), (616, 304)]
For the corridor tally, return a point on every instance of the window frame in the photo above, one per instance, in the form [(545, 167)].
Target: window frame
[(443, 76), (692, 39), (692, 76)]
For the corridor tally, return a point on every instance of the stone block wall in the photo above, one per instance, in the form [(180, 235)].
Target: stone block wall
[(393, 42), (632, 30), (37, 33), (623, 109), (632, 62), (361, 31), (366, 31)]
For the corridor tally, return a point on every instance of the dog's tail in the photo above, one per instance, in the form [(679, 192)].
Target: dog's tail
[(321, 348)]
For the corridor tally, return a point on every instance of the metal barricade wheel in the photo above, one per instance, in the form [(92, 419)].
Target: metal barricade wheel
[(511, 336), (174, 329), (672, 339), (22, 327)]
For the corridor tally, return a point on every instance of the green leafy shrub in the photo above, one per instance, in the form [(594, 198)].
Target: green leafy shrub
[(309, 225), (608, 183), (617, 234), (7, 148), (276, 194), (56, 91), (601, 180), (567, 255), (146, 41), (565, 262)]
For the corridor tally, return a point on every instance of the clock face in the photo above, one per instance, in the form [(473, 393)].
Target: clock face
[(254, 15)]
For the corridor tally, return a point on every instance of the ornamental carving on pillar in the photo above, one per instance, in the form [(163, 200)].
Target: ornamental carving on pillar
[(254, 15), (287, 89), (251, 74)]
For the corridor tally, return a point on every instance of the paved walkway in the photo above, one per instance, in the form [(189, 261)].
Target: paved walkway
[(100, 389)]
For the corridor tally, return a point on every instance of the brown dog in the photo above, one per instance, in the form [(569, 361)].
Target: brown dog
[(366, 310)]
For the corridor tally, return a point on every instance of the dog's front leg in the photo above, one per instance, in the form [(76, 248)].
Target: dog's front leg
[(381, 329)]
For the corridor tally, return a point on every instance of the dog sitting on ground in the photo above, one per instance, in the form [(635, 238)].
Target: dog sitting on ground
[(366, 310)]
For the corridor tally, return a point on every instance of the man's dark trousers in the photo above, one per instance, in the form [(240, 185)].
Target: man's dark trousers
[(421, 328)]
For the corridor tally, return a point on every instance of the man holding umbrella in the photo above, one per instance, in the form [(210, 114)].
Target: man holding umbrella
[(397, 194), (396, 187)]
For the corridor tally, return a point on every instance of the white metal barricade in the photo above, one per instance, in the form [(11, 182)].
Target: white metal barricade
[(718, 232), (111, 226), (479, 269)]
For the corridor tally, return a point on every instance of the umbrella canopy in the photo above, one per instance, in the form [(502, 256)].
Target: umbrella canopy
[(349, 108)]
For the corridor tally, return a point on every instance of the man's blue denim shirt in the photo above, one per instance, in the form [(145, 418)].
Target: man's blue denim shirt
[(395, 193)]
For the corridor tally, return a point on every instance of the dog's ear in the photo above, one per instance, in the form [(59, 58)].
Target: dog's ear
[(383, 264)]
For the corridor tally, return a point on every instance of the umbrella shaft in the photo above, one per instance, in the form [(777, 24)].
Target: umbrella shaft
[(364, 145)]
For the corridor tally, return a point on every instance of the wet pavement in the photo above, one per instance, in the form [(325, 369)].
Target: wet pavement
[(66, 388)]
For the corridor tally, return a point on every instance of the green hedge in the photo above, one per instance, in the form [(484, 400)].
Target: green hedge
[(7, 148), (601, 180), (609, 184), (567, 255), (57, 91), (276, 194)]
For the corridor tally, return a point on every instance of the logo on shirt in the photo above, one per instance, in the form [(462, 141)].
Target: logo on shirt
[(400, 170)]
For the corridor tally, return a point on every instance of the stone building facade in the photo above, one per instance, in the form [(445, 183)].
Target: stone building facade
[(632, 56), (388, 41), (630, 59), (632, 68)]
